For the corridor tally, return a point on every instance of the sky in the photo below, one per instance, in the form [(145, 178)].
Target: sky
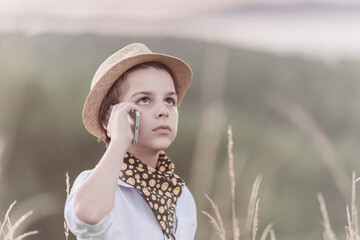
[(327, 29)]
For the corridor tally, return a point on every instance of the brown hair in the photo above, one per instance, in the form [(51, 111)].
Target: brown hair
[(119, 88)]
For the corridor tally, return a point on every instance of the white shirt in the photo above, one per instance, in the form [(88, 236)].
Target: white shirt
[(131, 217)]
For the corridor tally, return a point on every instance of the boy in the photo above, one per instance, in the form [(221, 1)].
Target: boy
[(133, 192)]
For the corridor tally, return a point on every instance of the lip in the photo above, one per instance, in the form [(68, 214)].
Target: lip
[(162, 129)]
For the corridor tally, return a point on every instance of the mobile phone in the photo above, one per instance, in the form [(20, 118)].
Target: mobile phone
[(136, 117), (136, 127)]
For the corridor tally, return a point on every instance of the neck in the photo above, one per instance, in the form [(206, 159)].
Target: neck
[(148, 157)]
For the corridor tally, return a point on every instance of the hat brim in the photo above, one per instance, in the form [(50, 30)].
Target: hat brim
[(181, 72)]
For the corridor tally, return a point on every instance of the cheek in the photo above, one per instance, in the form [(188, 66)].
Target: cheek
[(144, 122), (175, 120), (175, 113)]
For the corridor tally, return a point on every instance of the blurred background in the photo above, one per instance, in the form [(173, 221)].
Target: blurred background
[(284, 74)]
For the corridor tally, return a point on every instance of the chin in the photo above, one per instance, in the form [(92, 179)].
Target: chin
[(155, 143), (160, 144)]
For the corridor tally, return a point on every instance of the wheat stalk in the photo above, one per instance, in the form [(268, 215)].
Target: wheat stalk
[(67, 183), (252, 219), (321, 142), (352, 229), (17, 224), (266, 231), (9, 235), (217, 223), (251, 207), (256, 219), (22, 236), (354, 208), (236, 230), (6, 218), (349, 231), (272, 235), (328, 232)]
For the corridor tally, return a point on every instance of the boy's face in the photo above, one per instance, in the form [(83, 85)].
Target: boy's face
[(153, 91)]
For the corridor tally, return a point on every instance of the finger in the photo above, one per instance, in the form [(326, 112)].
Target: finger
[(115, 108), (128, 107), (125, 107), (113, 111)]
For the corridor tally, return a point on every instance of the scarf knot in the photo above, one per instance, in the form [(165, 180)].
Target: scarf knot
[(160, 187)]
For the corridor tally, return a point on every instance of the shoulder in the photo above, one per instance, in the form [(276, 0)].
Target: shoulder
[(186, 195), (187, 204), (81, 178), (186, 213), (83, 175)]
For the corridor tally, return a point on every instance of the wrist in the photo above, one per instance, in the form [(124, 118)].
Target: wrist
[(118, 144)]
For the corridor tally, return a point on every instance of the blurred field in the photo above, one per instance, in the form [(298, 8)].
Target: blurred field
[(45, 79)]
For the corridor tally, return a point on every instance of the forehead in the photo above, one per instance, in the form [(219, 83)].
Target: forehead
[(149, 79)]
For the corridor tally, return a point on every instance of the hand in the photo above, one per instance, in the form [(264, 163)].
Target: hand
[(119, 128)]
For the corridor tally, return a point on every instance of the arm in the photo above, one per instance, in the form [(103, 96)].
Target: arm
[(94, 199)]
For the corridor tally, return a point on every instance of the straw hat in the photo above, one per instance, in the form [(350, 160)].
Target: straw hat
[(118, 63)]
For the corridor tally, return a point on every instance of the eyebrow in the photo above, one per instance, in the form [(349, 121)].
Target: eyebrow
[(147, 93)]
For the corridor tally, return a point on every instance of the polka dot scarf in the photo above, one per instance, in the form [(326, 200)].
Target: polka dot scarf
[(160, 187)]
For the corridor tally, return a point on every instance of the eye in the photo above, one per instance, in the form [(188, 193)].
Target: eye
[(170, 101), (143, 101)]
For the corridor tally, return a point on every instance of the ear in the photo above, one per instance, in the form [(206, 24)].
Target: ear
[(106, 122), (105, 127)]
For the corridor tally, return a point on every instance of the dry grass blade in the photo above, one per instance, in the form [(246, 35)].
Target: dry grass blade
[(272, 235), (19, 221), (12, 228), (251, 208), (266, 231), (218, 223), (6, 218), (256, 219), (349, 231), (328, 232), (354, 214), (9, 234), (2, 150), (67, 183), (215, 224), (321, 142), (22, 236), (236, 230), (43, 204)]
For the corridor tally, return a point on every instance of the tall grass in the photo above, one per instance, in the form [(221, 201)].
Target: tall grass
[(67, 184), (352, 229), (252, 220), (218, 222), (318, 138), (236, 230), (7, 229)]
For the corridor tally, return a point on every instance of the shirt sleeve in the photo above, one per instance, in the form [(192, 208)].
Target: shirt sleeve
[(77, 226)]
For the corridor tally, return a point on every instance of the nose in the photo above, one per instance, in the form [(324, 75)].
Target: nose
[(162, 111), (163, 115)]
